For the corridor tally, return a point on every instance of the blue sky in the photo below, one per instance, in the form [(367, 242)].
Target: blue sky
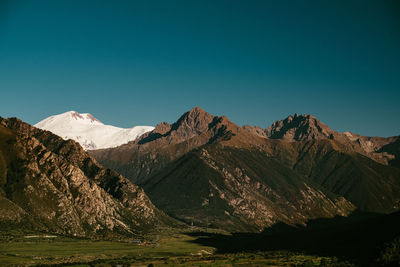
[(142, 62)]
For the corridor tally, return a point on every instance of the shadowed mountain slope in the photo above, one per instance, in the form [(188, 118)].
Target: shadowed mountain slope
[(393, 148), (239, 190), (369, 185)]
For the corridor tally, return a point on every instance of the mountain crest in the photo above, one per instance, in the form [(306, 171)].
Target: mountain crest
[(196, 120), (192, 123), (299, 128)]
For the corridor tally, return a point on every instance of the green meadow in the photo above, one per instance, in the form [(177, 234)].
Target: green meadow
[(170, 249)]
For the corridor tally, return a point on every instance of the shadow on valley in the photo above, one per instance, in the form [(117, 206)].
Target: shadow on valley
[(358, 238)]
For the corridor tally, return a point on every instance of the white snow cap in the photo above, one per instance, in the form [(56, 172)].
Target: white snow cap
[(89, 131)]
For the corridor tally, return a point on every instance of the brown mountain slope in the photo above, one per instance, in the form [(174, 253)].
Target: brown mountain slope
[(337, 167), (56, 184), (194, 169), (239, 190), (369, 185)]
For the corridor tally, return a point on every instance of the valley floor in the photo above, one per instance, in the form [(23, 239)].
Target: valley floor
[(358, 240), (176, 249)]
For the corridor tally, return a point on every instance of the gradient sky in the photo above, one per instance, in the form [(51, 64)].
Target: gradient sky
[(142, 62)]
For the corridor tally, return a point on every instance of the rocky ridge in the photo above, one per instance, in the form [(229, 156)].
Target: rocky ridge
[(307, 127), (53, 185)]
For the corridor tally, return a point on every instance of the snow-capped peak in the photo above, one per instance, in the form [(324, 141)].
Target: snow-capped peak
[(70, 117), (89, 131)]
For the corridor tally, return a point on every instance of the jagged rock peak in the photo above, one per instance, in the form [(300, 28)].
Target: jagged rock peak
[(192, 123), (196, 114), (300, 127), (197, 111), (196, 120)]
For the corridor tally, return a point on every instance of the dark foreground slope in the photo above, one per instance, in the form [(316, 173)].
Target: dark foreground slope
[(364, 239), (53, 185)]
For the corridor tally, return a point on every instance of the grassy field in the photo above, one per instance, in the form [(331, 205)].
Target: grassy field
[(174, 249)]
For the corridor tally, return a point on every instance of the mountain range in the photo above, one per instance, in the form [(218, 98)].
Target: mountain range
[(206, 170), (88, 131), (201, 170)]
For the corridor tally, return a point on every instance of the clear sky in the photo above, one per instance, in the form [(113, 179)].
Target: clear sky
[(142, 62)]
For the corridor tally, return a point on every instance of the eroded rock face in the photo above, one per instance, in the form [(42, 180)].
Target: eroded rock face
[(239, 191), (58, 185), (252, 197)]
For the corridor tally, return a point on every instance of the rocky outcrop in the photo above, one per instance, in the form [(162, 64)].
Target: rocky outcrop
[(300, 128)]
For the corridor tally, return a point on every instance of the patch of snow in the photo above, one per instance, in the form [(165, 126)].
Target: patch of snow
[(89, 131)]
